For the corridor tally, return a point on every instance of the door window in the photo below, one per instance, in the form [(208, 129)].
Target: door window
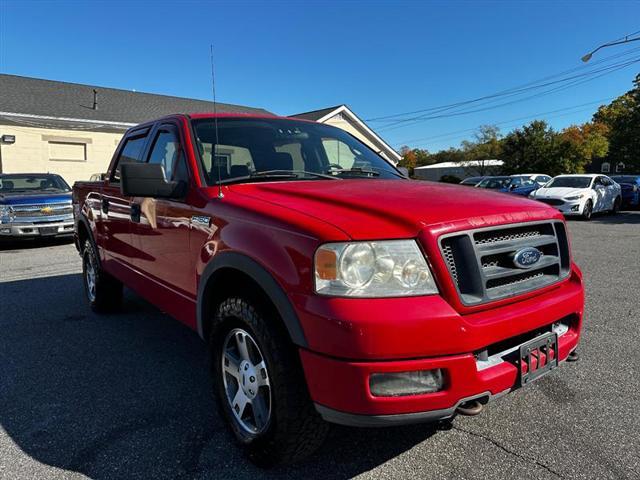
[(166, 151), (131, 152)]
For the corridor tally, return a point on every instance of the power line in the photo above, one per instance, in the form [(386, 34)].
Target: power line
[(448, 134), (511, 91), (575, 81)]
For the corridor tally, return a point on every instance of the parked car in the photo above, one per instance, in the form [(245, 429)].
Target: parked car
[(582, 194), (34, 205), (630, 186), (281, 243), (539, 178), (516, 184), (471, 181)]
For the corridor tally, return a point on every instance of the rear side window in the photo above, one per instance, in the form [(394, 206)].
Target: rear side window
[(131, 152)]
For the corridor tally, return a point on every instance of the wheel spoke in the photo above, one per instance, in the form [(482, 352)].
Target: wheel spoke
[(263, 378), (241, 342), (260, 411), (239, 403), (231, 365)]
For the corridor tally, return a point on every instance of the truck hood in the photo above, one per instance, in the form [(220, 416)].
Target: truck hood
[(29, 198), (559, 192), (370, 209)]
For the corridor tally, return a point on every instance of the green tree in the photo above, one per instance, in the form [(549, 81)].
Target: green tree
[(622, 117), (486, 145), (534, 148), (582, 144)]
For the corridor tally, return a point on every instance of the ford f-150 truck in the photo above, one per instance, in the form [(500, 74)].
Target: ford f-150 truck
[(34, 205), (329, 287)]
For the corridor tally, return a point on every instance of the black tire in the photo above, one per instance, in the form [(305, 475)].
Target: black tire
[(588, 210), (294, 429), (616, 206), (104, 293)]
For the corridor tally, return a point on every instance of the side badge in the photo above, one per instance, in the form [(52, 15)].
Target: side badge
[(201, 220)]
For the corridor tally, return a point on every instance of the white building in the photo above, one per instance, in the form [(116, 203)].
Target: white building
[(460, 170)]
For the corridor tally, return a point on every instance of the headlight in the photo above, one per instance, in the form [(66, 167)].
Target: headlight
[(575, 197), (6, 214), (391, 268)]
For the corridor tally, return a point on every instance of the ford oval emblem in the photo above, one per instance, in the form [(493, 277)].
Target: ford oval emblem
[(527, 257)]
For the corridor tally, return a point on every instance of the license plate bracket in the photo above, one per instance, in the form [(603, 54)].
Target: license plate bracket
[(48, 230), (538, 357)]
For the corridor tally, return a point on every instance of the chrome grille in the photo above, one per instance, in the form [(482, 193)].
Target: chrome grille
[(42, 210), (481, 264)]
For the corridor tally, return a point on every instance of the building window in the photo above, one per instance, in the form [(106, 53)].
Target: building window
[(67, 151), (605, 167), (620, 167)]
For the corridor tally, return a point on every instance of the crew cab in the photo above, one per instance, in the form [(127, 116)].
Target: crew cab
[(581, 194), (330, 288), (34, 205)]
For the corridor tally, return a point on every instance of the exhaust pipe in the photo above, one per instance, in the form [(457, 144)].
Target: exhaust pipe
[(470, 409)]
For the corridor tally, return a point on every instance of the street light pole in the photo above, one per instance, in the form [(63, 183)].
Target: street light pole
[(626, 39)]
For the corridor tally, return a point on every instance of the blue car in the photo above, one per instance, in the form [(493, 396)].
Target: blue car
[(516, 184), (34, 205), (630, 185)]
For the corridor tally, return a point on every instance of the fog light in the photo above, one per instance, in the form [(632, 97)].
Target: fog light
[(396, 384), (5, 230)]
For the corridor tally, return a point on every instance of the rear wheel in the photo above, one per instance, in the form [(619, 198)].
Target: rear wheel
[(260, 388), (587, 211), (103, 292)]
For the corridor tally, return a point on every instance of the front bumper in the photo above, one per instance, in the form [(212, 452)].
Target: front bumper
[(423, 334), (341, 393), (39, 229)]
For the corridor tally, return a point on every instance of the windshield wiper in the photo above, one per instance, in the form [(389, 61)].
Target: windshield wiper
[(368, 172), (277, 174)]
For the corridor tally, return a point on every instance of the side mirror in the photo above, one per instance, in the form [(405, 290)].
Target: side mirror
[(148, 180), (403, 170)]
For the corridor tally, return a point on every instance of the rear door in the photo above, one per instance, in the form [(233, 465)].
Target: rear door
[(601, 195), (160, 227), (115, 207)]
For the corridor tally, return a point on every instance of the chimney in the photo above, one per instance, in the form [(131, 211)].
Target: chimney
[(95, 99)]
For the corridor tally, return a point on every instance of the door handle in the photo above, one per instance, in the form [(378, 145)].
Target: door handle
[(105, 205), (135, 212)]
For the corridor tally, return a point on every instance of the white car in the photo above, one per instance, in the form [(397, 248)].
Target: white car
[(581, 194)]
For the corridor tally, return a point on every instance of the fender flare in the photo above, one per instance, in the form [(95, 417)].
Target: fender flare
[(85, 222), (263, 278)]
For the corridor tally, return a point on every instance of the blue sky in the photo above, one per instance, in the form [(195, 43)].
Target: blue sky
[(380, 58)]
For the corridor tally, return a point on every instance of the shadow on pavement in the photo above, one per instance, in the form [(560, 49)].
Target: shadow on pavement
[(37, 242), (626, 217), (128, 395)]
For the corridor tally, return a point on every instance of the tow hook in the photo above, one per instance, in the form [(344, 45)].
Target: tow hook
[(471, 408), (573, 356)]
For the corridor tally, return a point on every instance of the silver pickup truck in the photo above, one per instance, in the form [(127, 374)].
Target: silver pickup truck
[(34, 205)]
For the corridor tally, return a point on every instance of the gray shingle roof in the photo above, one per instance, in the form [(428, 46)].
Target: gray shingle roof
[(315, 114), (34, 96)]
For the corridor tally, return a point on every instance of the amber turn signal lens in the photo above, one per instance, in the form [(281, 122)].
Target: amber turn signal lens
[(326, 264)]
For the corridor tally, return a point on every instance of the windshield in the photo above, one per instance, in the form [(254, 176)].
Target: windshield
[(495, 182), (569, 182), (27, 183), (270, 148)]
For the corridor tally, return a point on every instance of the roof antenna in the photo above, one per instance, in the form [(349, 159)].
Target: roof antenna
[(215, 124), (95, 99)]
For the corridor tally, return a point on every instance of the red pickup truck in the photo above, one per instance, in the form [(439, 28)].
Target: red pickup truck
[(329, 286)]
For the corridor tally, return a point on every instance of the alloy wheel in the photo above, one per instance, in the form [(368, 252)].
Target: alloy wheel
[(246, 381), (90, 277)]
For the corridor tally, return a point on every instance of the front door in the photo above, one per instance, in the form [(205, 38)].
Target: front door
[(161, 227)]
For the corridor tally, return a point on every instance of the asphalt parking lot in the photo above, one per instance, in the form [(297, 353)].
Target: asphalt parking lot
[(127, 395)]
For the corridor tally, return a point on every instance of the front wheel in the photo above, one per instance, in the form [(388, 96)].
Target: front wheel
[(616, 206), (587, 210), (260, 388)]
